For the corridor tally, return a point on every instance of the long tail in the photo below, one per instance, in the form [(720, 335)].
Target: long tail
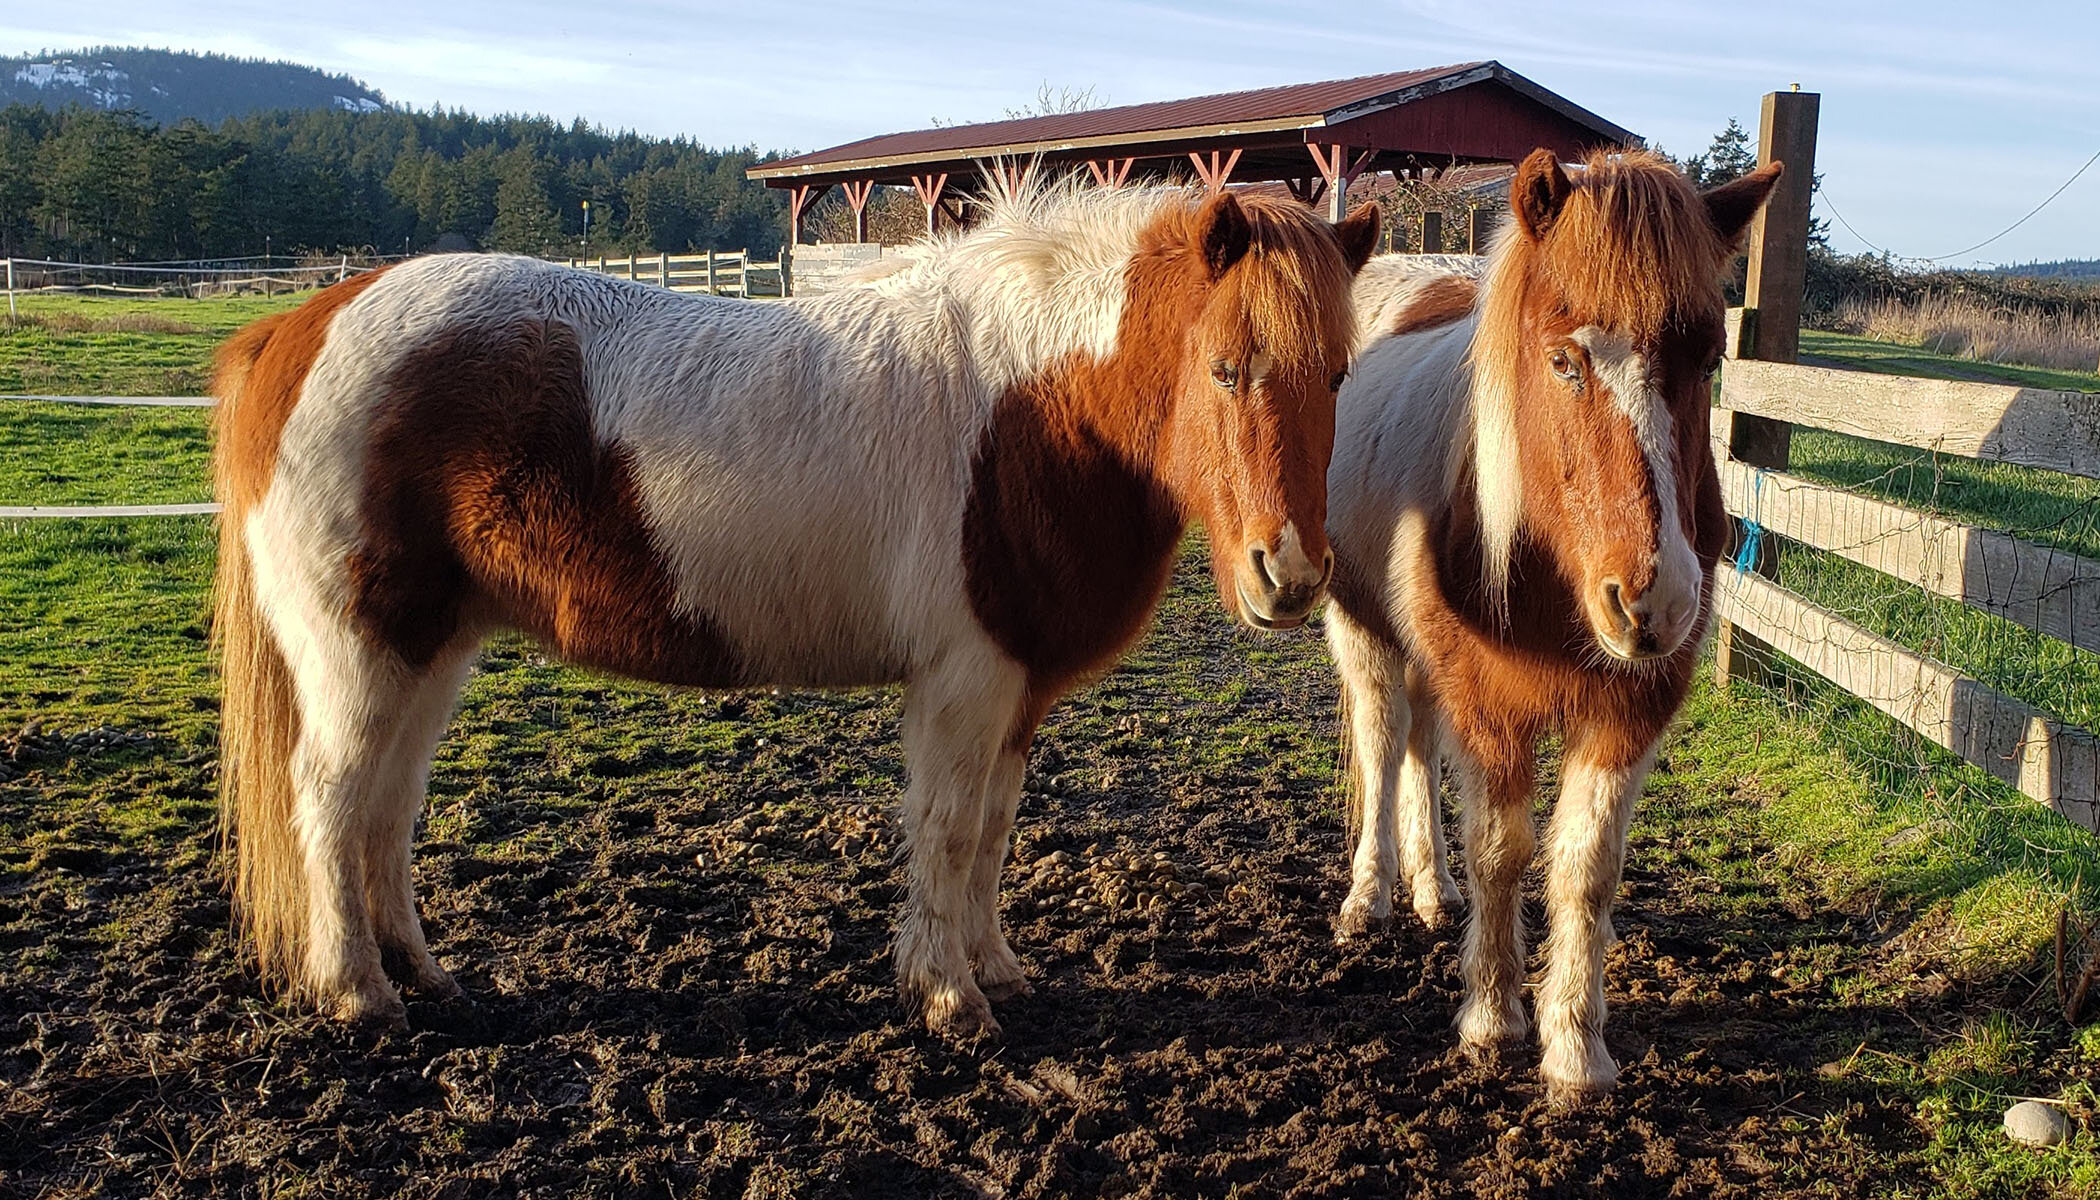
[(259, 716)]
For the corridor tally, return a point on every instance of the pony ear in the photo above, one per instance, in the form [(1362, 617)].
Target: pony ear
[(1538, 192), (1222, 232), (1733, 204), (1359, 234)]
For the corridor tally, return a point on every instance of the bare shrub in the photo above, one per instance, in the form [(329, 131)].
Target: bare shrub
[(1968, 327)]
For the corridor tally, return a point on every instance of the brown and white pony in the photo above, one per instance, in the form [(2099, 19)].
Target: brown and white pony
[(1525, 517), (969, 476)]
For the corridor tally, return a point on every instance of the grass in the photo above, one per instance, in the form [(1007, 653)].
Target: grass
[(1855, 352), (96, 346), (85, 455), (1802, 794), (1964, 325)]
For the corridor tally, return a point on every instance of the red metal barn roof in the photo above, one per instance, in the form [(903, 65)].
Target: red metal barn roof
[(1441, 116)]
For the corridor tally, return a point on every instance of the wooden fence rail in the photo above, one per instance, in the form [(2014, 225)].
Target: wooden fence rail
[(2053, 592), (1764, 395), (713, 273)]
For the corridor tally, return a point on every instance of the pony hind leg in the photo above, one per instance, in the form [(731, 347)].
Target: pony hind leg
[(1376, 706), (349, 706), (1496, 810), (957, 721), (1586, 854), (397, 800), (1425, 859)]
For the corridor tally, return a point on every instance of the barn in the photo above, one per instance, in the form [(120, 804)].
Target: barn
[(1319, 139)]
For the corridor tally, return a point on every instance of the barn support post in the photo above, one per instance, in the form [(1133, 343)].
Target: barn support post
[(857, 192), (929, 188), (1770, 331), (1112, 173), (1477, 232), (800, 197), (1307, 190), (1432, 232), (1218, 171), (1339, 171)]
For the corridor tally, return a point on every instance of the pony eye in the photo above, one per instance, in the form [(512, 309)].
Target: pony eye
[(1564, 366), (1226, 375), (1335, 384)]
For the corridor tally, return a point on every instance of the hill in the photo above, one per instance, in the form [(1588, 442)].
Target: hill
[(170, 85), (2068, 268)]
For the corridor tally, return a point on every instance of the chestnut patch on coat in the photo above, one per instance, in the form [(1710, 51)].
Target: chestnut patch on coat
[(1446, 299), (1067, 544), (257, 378), (487, 492)]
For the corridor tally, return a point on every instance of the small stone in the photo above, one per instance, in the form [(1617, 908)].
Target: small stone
[(2033, 1123)]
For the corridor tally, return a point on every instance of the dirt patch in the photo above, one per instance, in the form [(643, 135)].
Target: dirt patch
[(675, 948)]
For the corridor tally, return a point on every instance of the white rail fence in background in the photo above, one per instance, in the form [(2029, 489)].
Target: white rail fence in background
[(711, 272)]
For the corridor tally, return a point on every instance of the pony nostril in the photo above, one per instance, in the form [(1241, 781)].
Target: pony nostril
[(1615, 604), (1261, 569), (1326, 569)]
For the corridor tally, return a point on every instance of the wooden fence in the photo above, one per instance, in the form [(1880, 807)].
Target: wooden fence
[(712, 272), (1764, 395)]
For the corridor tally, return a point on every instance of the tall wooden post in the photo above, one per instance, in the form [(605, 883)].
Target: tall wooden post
[(1770, 331), (710, 270), (1432, 232), (663, 268)]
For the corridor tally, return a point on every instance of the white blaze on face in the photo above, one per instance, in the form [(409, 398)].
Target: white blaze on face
[(1673, 601)]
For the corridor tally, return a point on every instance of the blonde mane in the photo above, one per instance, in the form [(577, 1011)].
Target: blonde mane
[(1044, 270)]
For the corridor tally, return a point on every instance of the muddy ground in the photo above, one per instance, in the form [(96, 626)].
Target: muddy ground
[(671, 916)]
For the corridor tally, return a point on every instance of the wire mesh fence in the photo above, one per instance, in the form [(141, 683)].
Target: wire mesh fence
[(1934, 616)]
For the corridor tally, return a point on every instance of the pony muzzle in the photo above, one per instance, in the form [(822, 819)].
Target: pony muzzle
[(1637, 625), (1279, 584)]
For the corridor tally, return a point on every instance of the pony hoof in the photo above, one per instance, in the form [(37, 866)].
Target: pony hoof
[(1433, 899), (437, 984), (1005, 989), (1576, 1076), (1359, 917), (1484, 1028), (963, 1021), (373, 1005)]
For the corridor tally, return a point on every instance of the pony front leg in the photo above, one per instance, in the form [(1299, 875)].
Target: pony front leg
[(999, 970), (1499, 844), (1373, 695), (957, 721), (1425, 860), (1586, 853)]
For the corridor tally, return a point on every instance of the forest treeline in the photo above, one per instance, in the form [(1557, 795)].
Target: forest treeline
[(101, 186)]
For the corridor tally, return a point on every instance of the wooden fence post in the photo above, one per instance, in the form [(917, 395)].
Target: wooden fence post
[(710, 270), (663, 268), (786, 277), (1432, 232), (10, 289), (1771, 331)]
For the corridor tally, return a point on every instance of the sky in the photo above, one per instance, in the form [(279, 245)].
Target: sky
[(1942, 123)]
